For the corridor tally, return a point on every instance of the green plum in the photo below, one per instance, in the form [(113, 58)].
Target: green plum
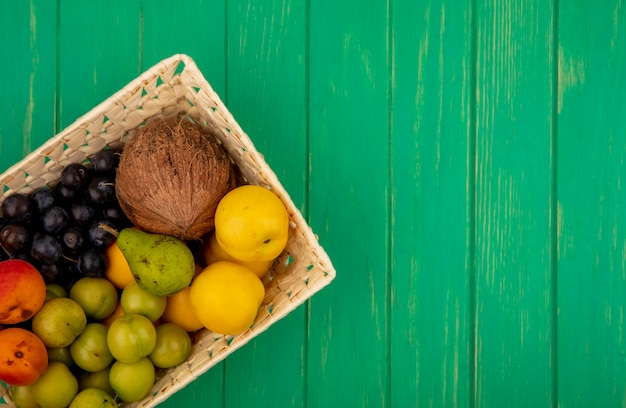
[(132, 381), (97, 296), (54, 290), (134, 299), (93, 398), (61, 354), (90, 350), (22, 396), (98, 379), (59, 321), (131, 337), (173, 346), (56, 387)]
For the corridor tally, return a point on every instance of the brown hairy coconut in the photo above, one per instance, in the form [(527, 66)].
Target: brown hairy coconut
[(170, 178)]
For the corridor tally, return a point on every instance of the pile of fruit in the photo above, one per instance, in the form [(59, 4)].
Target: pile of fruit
[(93, 306)]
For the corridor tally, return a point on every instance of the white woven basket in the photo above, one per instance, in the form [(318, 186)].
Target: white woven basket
[(173, 87)]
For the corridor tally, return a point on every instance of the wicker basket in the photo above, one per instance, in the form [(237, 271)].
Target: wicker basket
[(173, 87)]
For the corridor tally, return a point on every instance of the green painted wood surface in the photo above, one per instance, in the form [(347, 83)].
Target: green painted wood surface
[(432, 206), (461, 162)]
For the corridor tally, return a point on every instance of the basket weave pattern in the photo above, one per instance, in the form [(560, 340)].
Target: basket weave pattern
[(176, 87)]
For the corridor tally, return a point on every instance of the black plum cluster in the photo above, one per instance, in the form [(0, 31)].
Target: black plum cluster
[(59, 229)]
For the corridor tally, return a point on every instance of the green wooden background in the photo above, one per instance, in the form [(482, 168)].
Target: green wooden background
[(461, 161)]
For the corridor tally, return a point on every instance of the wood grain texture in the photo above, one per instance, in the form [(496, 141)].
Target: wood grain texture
[(97, 55), (196, 28), (432, 190), (349, 202), (591, 233), (515, 305), (28, 52)]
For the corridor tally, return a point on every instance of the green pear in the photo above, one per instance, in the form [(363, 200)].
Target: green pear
[(161, 264)]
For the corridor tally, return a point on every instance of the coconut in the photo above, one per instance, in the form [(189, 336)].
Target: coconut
[(170, 178)]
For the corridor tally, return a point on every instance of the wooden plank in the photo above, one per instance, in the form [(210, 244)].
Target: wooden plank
[(27, 108), (206, 390), (202, 37), (432, 189), (266, 92), (267, 84), (515, 305), (98, 53), (592, 237), (349, 202), (205, 42)]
